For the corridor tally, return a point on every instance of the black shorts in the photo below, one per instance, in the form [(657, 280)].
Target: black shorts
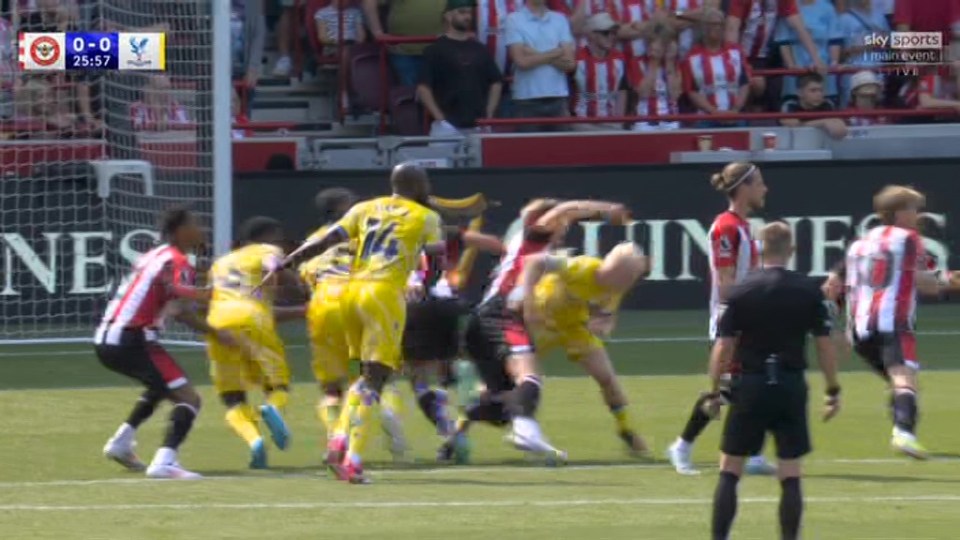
[(144, 361), (493, 334), (882, 351), (757, 408), (433, 329)]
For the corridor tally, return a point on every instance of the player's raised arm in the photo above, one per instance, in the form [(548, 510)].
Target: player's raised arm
[(822, 329), (573, 211), (483, 242)]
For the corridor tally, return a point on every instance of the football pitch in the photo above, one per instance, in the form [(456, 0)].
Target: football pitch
[(59, 406)]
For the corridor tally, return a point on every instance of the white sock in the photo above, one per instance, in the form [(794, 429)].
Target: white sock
[(125, 433), (682, 445), (165, 456)]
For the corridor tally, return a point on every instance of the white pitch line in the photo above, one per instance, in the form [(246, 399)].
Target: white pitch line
[(434, 471), (455, 504)]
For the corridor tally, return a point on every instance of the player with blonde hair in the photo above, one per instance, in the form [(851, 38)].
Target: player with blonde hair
[(733, 254), (571, 303)]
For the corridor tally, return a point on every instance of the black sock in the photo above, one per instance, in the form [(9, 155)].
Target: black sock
[(905, 410), (488, 409), (791, 508), (143, 408), (697, 423), (526, 397), (724, 505), (428, 404), (181, 420)]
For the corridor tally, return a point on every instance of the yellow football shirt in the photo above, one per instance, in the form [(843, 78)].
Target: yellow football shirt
[(236, 275), (333, 265), (567, 295), (389, 232)]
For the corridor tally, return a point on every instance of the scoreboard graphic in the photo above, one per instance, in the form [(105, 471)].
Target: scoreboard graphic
[(104, 51)]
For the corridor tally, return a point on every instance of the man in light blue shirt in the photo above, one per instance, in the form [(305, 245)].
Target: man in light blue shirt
[(821, 20), (861, 19), (541, 47)]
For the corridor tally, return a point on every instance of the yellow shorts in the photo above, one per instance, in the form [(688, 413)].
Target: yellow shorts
[(374, 314), (259, 361), (328, 342), (574, 339)]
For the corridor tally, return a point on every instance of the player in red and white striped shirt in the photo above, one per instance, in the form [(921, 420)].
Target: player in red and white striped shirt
[(496, 336), (751, 23), (657, 81), (716, 75), (886, 269), (733, 253), (599, 77), (126, 342)]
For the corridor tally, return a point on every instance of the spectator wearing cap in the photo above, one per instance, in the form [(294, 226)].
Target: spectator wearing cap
[(406, 18), (861, 19), (460, 82), (822, 22), (542, 50), (810, 98), (657, 80), (865, 94), (600, 77), (716, 75)]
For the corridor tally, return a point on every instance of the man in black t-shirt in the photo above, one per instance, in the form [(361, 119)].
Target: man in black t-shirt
[(764, 330), (810, 98), (460, 82)]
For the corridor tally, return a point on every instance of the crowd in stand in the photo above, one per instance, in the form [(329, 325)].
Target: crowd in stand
[(607, 58)]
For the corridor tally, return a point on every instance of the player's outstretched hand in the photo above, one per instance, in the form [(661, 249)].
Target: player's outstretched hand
[(831, 407), (712, 405)]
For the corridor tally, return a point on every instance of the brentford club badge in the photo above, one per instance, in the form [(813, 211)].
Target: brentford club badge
[(45, 51)]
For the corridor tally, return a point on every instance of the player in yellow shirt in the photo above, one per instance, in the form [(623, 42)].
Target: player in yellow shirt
[(238, 305), (571, 302), (390, 232)]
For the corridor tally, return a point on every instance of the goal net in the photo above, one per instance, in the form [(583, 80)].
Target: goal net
[(90, 159)]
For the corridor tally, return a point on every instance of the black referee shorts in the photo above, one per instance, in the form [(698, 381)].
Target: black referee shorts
[(757, 407), (433, 329)]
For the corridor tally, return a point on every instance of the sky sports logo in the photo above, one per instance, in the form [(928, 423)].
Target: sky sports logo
[(912, 49)]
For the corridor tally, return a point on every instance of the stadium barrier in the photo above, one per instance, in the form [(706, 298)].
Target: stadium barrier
[(826, 203)]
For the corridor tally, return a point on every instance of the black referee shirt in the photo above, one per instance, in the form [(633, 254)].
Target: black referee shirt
[(771, 311)]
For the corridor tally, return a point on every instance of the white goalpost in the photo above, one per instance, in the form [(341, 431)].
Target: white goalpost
[(80, 195)]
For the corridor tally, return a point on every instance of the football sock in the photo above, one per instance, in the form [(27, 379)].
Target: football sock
[(392, 400), (181, 420), (361, 430), (791, 508), (242, 420), (329, 415), (348, 410), (724, 505), (526, 397), (697, 423), (488, 410), (905, 409), (278, 398), (622, 418), (143, 409), (427, 400)]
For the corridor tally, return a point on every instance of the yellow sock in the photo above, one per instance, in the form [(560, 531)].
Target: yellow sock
[(329, 415), (347, 411), (279, 399), (243, 422), (621, 417), (362, 428), (391, 399)]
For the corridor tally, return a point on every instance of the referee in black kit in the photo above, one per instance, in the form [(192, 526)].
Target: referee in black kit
[(764, 329)]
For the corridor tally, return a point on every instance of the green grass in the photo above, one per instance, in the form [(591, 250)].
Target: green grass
[(59, 406)]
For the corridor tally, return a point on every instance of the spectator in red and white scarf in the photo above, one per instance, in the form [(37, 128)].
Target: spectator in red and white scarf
[(865, 94), (157, 110), (600, 75), (657, 81), (716, 75)]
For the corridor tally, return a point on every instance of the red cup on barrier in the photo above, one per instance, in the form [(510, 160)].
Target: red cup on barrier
[(769, 141), (705, 143)]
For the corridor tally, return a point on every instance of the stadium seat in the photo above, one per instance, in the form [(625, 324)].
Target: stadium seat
[(365, 76), (405, 112)]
